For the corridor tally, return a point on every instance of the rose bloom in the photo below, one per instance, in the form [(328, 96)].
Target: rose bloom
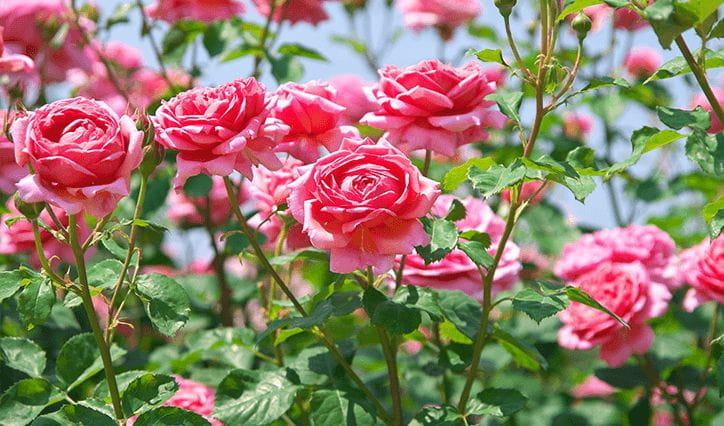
[(434, 106), (496, 74), (593, 387), (362, 203), (456, 271), (527, 191), (18, 237), (598, 14), (220, 129), (577, 125), (647, 245), (26, 23), (10, 172), (312, 114), (702, 101), (183, 209), (351, 95), (82, 155), (195, 10), (626, 290), (192, 396), (642, 62), (294, 11), (707, 276), (628, 19), (16, 69), (443, 14)]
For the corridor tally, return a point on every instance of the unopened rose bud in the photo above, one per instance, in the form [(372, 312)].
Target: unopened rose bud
[(153, 155), (29, 210), (505, 6), (582, 25)]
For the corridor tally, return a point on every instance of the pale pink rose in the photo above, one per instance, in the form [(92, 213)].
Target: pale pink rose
[(434, 106), (294, 11), (10, 172), (442, 14), (82, 155), (628, 19), (593, 387), (626, 290), (456, 271), (686, 265), (192, 396), (220, 129), (351, 95), (707, 279), (15, 69), (363, 203), (195, 10), (312, 114), (27, 24), (702, 101), (527, 191), (642, 62), (18, 237), (647, 245), (577, 125), (183, 209)]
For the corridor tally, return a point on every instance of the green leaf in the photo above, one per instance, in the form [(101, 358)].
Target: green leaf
[(443, 238), (679, 118), (166, 302), (497, 402), (576, 294), (23, 355), (714, 216), (456, 211), (524, 355), (445, 415), (488, 55), (668, 21), (477, 252), (296, 49), (576, 6), (101, 391), (24, 400), (105, 273), (170, 416), (461, 310), (306, 254), (75, 415), (397, 318), (321, 313), (600, 82), (678, 66), (459, 174), (147, 392), (253, 398), (624, 377), (700, 9), (640, 413), (538, 306), (707, 151), (334, 407), (10, 282), (79, 359), (644, 140), (509, 104), (286, 68), (35, 302), (213, 40), (198, 186), (497, 178), (481, 237)]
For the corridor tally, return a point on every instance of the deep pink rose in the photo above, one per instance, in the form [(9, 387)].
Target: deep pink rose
[(496, 74), (434, 106), (195, 10), (626, 290), (10, 172), (192, 396), (707, 278), (593, 387), (351, 95), (577, 125), (362, 203), (527, 191), (81, 152), (456, 271), (702, 101), (628, 19), (642, 62), (27, 23), (293, 11), (647, 245), (220, 129), (18, 237), (183, 209), (442, 14), (312, 114)]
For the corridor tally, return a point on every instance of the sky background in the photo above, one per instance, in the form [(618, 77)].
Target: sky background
[(413, 47)]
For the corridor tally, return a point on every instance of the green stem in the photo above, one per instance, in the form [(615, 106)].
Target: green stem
[(93, 319), (390, 354), (256, 70), (41, 254), (428, 160), (700, 74), (225, 308)]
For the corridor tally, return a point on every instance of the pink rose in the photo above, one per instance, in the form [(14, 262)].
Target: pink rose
[(18, 237), (443, 14), (707, 280), (312, 114), (686, 264), (351, 95), (434, 106), (190, 210), (702, 101), (362, 203), (593, 387), (647, 245), (10, 172), (192, 396), (641, 62), (626, 290), (27, 23), (527, 191), (577, 125), (456, 271), (294, 11), (195, 10), (16, 69), (628, 19), (81, 152), (220, 129), (496, 74), (598, 14)]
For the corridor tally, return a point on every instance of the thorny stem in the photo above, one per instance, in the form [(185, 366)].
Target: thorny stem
[(319, 331), (700, 74), (93, 319)]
